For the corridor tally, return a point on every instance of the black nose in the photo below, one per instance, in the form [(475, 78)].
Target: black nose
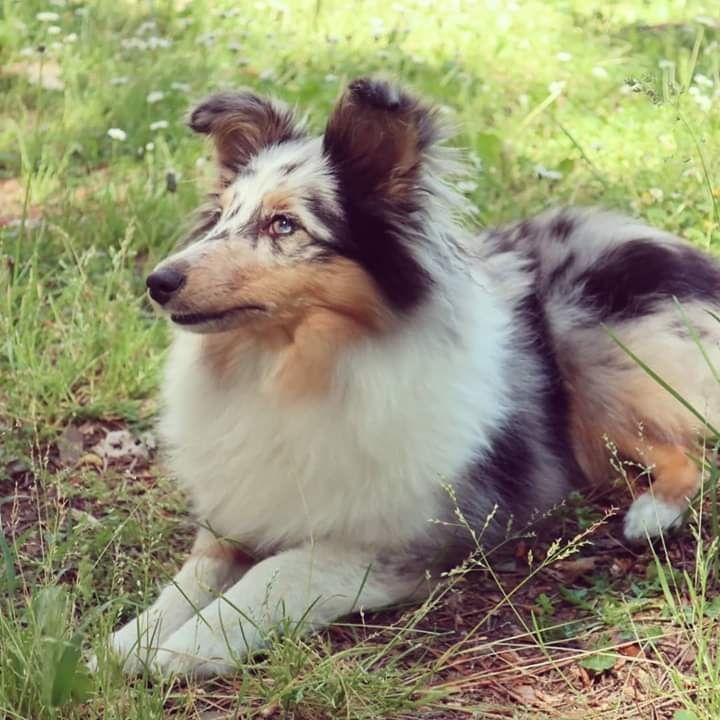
[(163, 283)]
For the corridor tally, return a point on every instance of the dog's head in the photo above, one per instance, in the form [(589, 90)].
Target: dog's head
[(300, 223)]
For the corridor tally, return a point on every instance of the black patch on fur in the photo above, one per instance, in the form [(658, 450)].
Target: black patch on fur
[(527, 230), (561, 227), (536, 428), (560, 272), (375, 139), (630, 280), (372, 239)]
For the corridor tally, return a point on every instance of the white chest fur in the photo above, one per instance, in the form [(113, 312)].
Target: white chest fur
[(366, 463)]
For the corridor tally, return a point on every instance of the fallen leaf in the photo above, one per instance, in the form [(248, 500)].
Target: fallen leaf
[(571, 570), (630, 650), (526, 694), (91, 459)]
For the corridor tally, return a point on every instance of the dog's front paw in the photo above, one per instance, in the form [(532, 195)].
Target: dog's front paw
[(195, 650), (134, 645), (649, 516)]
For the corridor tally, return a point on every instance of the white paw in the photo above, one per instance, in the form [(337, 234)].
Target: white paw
[(649, 516), (134, 644), (195, 650)]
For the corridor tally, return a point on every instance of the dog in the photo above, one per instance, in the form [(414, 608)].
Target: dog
[(360, 388)]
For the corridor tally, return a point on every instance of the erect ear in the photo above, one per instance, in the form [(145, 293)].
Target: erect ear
[(241, 124), (376, 137)]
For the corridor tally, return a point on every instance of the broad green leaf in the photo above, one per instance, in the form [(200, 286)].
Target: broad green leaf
[(599, 662)]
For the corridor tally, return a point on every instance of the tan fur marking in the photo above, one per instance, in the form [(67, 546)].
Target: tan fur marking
[(226, 197), (207, 545), (315, 309), (676, 477), (277, 201)]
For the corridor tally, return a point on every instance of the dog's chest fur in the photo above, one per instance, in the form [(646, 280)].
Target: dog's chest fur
[(364, 464)]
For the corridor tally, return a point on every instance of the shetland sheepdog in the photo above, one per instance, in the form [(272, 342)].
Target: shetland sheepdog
[(354, 369)]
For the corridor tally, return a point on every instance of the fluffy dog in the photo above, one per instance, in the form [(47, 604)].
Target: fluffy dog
[(354, 370)]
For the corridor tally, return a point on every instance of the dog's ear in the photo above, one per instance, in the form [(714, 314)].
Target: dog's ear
[(241, 124), (376, 138)]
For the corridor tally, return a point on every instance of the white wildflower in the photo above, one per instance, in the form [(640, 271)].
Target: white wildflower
[(71, 38), (120, 80), (150, 146), (267, 74), (54, 30), (543, 172), (133, 43), (47, 17), (180, 86), (564, 56), (599, 72), (703, 80), (159, 125), (154, 42), (146, 27), (377, 25), (666, 64), (206, 39), (117, 134), (58, 3), (656, 194), (704, 102), (81, 11), (556, 87), (233, 46), (155, 96), (331, 78)]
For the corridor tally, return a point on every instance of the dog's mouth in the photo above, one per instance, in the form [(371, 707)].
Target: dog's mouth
[(202, 318)]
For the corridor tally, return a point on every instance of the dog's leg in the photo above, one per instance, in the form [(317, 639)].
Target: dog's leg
[(297, 590), (676, 480), (212, 565)]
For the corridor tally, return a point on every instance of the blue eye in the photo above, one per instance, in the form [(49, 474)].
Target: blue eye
[(282, 225)]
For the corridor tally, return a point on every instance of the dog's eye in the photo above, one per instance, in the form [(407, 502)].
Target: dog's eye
[(282, 225)]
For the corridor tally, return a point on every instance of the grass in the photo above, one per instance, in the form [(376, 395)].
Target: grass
[(576, 101)]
